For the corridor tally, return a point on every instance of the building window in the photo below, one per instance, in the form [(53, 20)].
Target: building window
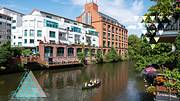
[(51, 24), (109, 35), (76, 29), (60, 51), (104, 34), (31, 32), (14, 21), (31, 41), (14, 37), (52, 34), (112, 36), (70, 51), (25, 41), (13, 27), (0, 23), (8, 30), (62, 36), (8, 37), (8, 18), (39, 33), (25, 32), (19, 43), (7, 24), (0, 36), (104, 43), (108, 43)]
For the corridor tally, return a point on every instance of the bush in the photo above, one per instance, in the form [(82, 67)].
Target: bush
[(112, 56), (99, 57)]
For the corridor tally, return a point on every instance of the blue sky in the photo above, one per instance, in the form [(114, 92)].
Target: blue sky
[(122, 10)]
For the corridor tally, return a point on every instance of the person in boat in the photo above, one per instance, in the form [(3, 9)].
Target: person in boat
[(91, 84)]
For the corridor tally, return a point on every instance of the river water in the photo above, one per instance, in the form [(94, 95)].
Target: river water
[(119, 83)]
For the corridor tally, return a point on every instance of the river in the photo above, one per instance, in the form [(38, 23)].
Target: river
[(119, 83)]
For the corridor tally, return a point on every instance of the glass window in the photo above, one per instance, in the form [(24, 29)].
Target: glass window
[(52, 34), (39, 33), (31, 40), (8, 37), (14, 21), (70, 51), (19, 43), (31, 32), (76, 29), (13, 27), (51, 24), (25, 32), (60, 51), (104, 43), (25, 41)]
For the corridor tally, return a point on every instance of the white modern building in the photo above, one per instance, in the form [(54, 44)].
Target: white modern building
[(5, 28), (50, 28), (29, 30), (16, 26)]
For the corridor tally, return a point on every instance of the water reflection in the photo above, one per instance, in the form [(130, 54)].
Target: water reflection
[(118, 83), (66, 85)]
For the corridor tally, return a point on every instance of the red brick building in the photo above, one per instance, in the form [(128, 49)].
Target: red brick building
[(111, 32)]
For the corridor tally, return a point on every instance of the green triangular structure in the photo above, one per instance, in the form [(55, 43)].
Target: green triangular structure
[(28, 88)]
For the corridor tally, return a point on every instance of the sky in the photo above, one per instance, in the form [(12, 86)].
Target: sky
[(124, 11)]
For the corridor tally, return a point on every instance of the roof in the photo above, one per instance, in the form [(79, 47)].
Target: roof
[(5, 15), (110, 18), (61, 17), (11, 10)]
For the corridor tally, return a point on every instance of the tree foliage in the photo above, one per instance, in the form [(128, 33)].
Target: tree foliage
[(5, 53), (26, 52), (177, 44), (112, 55), (144, 55), (81, 56), (99, 57)]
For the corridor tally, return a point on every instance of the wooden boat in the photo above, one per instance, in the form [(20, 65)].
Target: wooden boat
[(95, 85)]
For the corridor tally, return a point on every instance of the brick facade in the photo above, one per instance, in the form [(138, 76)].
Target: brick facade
[(111, 32)]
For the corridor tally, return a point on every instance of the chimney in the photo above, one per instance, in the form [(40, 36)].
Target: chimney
[(91, 6)]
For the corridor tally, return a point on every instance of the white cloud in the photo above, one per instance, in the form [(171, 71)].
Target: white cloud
[(122, 10)]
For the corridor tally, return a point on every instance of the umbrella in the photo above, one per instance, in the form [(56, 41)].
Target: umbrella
[(150, 70)]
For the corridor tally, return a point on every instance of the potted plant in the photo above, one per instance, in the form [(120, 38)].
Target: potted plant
[(151, 90)]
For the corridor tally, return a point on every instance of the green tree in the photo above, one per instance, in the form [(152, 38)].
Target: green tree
[(134, 45), (112, 55), (177, 44), (81, 57), (5, 53), (99, 57), (26, 52), (144, 55)]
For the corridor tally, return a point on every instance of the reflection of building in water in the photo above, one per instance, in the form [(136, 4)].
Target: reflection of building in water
[(67, 85), (114, 81)]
